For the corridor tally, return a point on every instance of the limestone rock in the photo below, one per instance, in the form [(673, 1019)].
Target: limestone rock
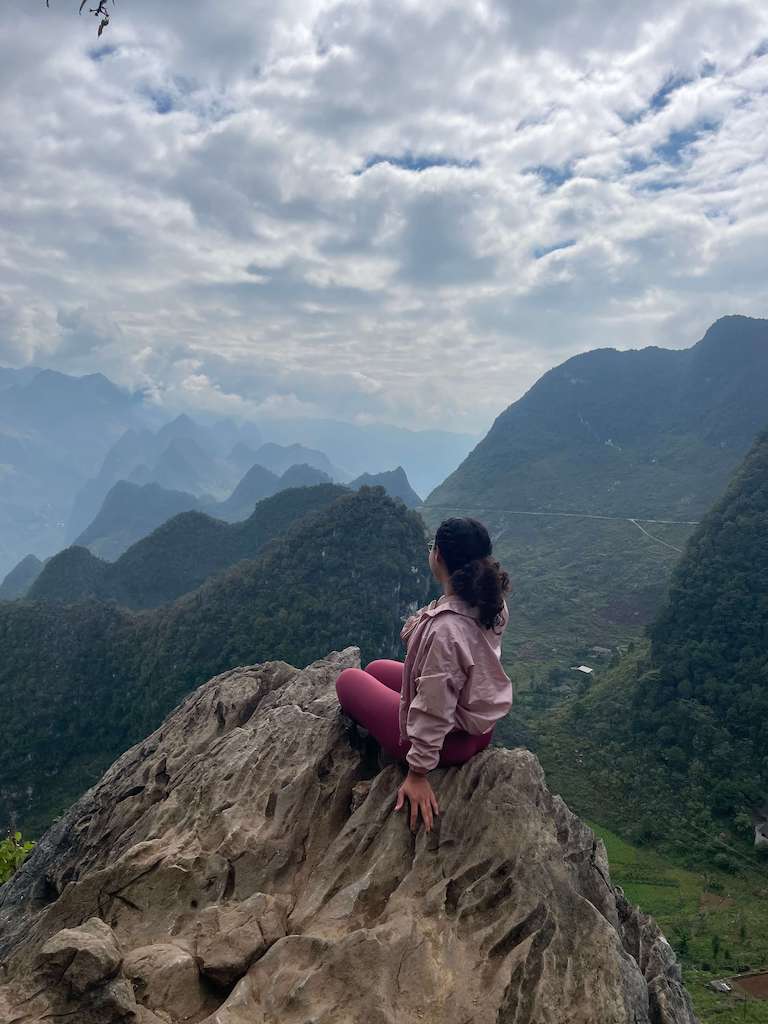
[(165, 975), (237, 834), (79, 969), (233, 937), (81, 958)]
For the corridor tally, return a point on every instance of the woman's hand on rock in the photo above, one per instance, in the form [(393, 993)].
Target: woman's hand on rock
[(421, 798)]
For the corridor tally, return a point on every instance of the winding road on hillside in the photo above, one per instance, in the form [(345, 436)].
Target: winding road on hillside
[(636, 521), (574, 515)]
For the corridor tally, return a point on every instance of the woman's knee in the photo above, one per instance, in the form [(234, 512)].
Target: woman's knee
[(387, 671), (344, 681)]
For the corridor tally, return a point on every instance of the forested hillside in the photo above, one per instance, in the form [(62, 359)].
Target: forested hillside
[(673, 740), (79, 683), (704, 704), (178, 556)]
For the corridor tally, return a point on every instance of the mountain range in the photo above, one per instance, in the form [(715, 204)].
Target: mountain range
[(66, 441), (131, 512), (346, 572), (591, 484), (176, 557)]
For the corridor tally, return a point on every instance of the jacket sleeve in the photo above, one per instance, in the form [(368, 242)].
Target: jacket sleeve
[(431, 715)]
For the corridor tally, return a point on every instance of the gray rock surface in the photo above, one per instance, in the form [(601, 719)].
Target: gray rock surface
[(81, 958), (245, 876), (165, 975)]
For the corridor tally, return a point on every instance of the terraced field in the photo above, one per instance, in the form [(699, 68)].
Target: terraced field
[(717, 924)]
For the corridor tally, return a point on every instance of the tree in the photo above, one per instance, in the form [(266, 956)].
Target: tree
[(100, 11), (13, 853)]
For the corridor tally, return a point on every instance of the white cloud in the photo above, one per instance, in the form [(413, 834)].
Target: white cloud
[(185, 203)]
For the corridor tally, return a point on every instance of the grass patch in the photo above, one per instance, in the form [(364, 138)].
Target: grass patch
[(717, 923)]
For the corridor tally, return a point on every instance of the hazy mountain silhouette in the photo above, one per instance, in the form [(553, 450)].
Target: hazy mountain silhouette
[(130, 512), (395, 483), (20, 579), (178, 556)]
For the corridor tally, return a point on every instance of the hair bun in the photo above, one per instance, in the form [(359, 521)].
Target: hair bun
[(476, 578)]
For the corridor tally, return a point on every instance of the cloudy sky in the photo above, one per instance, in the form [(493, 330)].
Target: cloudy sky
[(401, 211)]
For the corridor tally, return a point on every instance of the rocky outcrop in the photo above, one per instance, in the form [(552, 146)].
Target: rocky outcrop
[(244, 865)]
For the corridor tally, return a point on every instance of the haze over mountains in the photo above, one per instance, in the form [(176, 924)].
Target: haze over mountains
[(178, 556), (66, 441), (54, 432), (131, 512)]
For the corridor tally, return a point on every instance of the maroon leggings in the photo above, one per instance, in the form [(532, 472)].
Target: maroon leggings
[(372, 698)]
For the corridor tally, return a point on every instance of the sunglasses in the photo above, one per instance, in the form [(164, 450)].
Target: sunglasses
[(430, 545)]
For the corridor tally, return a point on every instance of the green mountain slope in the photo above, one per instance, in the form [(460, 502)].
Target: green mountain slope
[(705, 701), (80, 683), (671, 743), (177, 557), (641, 435)]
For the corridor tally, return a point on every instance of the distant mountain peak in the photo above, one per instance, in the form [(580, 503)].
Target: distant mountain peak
[(394, 481)]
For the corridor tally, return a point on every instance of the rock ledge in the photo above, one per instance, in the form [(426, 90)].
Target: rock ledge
[(231, 869)]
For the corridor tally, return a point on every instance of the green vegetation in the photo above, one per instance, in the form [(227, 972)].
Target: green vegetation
[(666, 747), (177, 557), (13, 852), (715, 922), (650, 434), (676, 732), (104, 677), (704, 701)]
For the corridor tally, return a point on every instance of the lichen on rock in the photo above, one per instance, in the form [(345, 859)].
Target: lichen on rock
[(246, 862)]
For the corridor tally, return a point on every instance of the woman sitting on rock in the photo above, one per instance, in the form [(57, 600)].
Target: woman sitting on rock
[(440, 707)]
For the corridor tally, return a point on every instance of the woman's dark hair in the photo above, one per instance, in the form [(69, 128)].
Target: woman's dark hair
[(476, 576)]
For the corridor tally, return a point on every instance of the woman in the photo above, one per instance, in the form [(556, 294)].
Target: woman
[(440, 707)]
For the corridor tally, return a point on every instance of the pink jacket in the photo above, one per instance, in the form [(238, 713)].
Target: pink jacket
[(452, 679)]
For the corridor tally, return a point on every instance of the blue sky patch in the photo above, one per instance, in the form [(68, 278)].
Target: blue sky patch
[(415, 162), (671, 150), (660, 98), (539, 253), (636, 163), (99, 53), (660, 185), (161, 100), (553, 177)]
